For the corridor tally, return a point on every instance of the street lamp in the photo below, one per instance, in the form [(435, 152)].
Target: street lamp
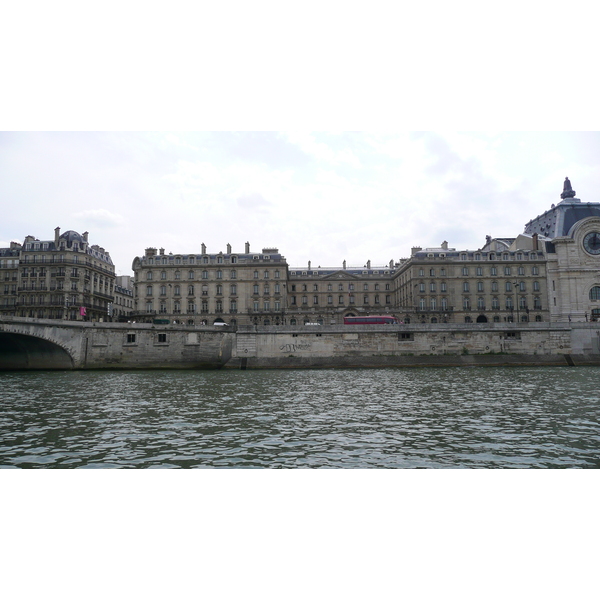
[(516, 284)]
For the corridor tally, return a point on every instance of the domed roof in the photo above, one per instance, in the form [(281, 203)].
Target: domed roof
[(71, 236)]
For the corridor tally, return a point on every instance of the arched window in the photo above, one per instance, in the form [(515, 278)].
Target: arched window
[(595, 293)]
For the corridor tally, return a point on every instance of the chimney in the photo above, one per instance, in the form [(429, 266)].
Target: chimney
[(369, 264), (85, 236), (247, 247), (56, 235), (162, 251), (415, 249), (444, 245), (309, 265), (203, 248), (344, 265), (228, 248), (535, 241)]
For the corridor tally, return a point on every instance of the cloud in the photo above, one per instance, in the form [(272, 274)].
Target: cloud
[(253, 201), (99, 217)]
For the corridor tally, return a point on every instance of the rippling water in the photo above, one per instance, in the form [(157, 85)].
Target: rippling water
[(391, 418)]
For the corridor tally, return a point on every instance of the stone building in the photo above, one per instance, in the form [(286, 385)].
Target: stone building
[(501, 282), (121, 308), (550, 272), (199, 289), (63, 278)]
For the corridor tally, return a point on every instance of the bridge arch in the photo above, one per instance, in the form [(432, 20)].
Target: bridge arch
[(21, 351)]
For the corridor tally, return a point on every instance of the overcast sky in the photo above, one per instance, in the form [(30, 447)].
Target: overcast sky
[(323, 197)]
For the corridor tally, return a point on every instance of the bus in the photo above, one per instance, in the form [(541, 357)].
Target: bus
[(371, 320)]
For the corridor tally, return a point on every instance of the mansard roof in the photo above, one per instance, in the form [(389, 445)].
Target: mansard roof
[(559, 220)]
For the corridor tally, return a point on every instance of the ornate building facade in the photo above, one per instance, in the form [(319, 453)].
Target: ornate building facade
[(550, 272), (63, 278)]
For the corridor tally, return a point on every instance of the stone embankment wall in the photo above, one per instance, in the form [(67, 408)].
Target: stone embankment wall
[(47, 344), (52, 344), (417, 345)]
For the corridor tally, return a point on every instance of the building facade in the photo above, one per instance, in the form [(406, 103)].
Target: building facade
[(550, 272), (204, 288), (63, 278)]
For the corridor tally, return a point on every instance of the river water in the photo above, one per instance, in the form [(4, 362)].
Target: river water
[(545, 417)]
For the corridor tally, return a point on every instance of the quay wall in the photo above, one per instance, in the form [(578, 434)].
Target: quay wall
[(50, 344), (416, 345)]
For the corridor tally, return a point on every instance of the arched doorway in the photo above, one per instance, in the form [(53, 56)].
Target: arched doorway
[(482, 319)]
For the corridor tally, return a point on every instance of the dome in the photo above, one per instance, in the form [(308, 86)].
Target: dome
[(71, 236)]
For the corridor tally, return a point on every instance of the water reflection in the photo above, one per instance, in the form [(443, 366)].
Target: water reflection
[(394, 418)]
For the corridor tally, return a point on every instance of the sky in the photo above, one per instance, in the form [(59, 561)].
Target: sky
[(319, 197)]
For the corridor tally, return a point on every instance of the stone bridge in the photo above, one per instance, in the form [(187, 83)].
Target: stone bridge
[(27, 343)]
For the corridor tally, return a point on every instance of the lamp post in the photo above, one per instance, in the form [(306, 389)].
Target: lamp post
[(516, 284)]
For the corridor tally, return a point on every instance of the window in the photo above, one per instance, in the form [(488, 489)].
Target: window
[(177, 290), (465, 286), (422, 304), (521, 270), (443, 287), (315, 299), (329, 299), (276, 274), (267, 305), (493, 271), (443, 272), (149, 275), (162, 338), (535, 270), (131, 338), (509, 303), (255, 305), (219, 274), (431, 272), (495, 303), (340, 287), (190, 290), (494, 286), (480, 304), (421, 272), (163, 274), (466, 303), (255, 289), (233, 290), (536, 286), (351, 287), (366, 300), (522, 302), (163, 290), (233, 274), (149, 290), (444, 304), (255, 274), (315, 287), (340, 299), (479, 272), (507, 271), (234, 259), (266, 274), (304, 300), (508, 286), (432, 304), (422, 288), (480, 286), (177, 275), (521, 286), (365, 286), (190, 274), (432, 287), (465, 271), (595, 293), (293, 300)]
